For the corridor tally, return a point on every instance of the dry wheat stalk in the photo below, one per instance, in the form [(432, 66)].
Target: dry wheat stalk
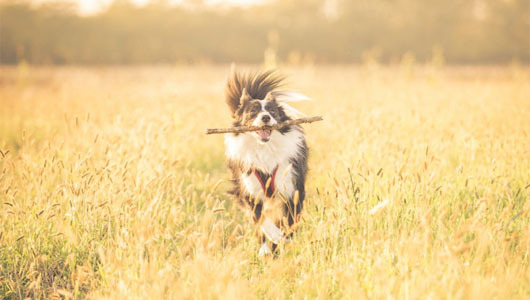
[(271, 127)]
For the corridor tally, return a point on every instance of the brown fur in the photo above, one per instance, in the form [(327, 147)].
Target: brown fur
[(243, 95)]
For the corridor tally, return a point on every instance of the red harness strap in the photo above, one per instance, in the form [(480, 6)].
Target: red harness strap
[(263, 186)]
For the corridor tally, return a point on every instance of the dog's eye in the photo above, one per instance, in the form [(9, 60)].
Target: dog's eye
[(254, 110)]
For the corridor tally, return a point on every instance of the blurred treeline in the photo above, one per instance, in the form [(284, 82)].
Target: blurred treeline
[(290, 31)]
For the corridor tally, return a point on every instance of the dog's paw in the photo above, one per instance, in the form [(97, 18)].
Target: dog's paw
[(271, 231), (264, 250)]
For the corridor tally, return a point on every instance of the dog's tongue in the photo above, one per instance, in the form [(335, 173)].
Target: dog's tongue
[(264, 134)]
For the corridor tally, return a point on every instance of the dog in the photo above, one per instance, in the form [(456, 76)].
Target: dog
[(268, 167)]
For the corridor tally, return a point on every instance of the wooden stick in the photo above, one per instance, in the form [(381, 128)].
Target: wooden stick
[(241, 129)]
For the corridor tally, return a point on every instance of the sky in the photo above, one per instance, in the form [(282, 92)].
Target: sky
[(89, 7)]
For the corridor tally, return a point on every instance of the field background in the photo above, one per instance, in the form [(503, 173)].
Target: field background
[(418, 188)]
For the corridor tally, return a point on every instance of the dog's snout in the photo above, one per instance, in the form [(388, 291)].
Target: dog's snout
[(265, 118)]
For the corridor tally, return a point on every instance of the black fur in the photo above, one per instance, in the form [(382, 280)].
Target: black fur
[(257, 84), (243, 93), (299, 163)]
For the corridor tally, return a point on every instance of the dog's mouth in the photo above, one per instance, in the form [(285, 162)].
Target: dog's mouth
[(264, 135)]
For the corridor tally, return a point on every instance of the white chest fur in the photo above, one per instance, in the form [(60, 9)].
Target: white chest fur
[(283, 182), (246, 149)]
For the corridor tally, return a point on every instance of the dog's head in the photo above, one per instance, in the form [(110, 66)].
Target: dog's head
[(258, 112)]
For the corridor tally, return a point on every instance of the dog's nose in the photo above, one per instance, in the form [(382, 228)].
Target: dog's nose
[(265, 118)]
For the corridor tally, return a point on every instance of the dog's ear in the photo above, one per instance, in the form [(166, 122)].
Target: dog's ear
[(245, 96), (270, 97)]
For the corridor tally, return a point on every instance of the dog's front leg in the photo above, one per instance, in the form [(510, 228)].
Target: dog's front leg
[(272, 214), (271, 231)]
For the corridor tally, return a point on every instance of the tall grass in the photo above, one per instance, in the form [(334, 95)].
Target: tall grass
[(418, 188)]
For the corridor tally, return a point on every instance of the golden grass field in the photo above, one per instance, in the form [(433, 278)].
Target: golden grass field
[(418, 188)]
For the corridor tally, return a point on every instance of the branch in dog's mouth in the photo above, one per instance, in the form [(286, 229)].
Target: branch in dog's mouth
[(265, 128)]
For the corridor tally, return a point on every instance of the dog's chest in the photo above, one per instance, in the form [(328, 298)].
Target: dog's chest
[(283, 182), (278, 152)]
